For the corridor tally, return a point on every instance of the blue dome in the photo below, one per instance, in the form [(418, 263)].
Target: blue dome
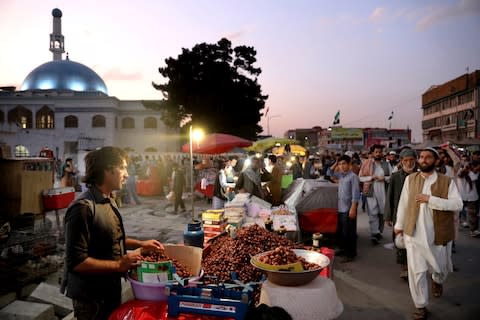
[(63, 75)]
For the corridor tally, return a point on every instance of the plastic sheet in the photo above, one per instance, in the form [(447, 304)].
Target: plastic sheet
[(150, 310)]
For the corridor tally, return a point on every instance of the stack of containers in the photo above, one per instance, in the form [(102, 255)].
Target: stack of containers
[(235, 210), (214, 223)]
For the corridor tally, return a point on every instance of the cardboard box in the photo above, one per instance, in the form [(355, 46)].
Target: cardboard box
[(214, 216), (187, 255)]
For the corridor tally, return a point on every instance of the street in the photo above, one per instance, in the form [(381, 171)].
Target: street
[(369, 287)]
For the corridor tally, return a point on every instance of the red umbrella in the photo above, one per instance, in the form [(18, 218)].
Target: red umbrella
[(217, 143)]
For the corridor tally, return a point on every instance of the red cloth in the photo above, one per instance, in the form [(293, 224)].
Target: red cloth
[(208, 192), (149, 187), (322, 220), (152, 310)]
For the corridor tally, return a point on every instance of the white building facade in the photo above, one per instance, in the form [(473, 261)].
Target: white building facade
[(65, 106)]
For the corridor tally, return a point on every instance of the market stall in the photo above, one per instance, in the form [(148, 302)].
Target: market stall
[(315, 202), (247, 259), (28, 242)]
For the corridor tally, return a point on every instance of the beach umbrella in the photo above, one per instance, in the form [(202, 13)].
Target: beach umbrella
[(216, 143), (268, 143), (294, 149)]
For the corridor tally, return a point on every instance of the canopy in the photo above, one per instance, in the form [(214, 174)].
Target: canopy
[(216, 143), (268, 143), (294, 149)]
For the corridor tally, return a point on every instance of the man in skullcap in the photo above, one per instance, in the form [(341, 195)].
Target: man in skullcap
[(408, 165), (425, 218)]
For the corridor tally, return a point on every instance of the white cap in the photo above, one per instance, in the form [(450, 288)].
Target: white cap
[(393, 152), (399, 241)]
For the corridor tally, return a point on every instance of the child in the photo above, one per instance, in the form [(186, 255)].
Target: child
[(348, 197)]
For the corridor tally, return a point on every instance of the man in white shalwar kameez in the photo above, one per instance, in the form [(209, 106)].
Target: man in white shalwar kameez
[(425, 218)]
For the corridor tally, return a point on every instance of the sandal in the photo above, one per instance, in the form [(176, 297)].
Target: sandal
[(437, 289), (420, 314)]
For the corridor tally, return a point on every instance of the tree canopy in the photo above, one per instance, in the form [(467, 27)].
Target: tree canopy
[(216, 87)]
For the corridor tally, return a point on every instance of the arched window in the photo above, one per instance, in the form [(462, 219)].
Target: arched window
[(150, 123), (70, 122), (2, 117), (128, 123), (98, 121), (21, 151), (45, 118), (21, 116), (116, 122)]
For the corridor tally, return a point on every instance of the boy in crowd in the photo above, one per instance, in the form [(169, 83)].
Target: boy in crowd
[(348, 197)]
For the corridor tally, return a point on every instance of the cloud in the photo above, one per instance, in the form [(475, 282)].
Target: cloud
[(439, 14), (377, 15), (235, 35), (239, 34), (118, 74)]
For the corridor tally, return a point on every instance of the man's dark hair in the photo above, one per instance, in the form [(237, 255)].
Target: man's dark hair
[(97, 161), (264, 312), (68, 159), (233, 158), (272, 158), (376, 146), (345, 158)]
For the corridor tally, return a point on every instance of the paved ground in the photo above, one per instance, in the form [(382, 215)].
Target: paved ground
[(369, 287)]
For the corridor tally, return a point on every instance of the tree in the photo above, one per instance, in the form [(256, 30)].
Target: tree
[(216, 87)]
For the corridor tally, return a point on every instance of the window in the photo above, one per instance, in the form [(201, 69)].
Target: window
[(98, 121), (128, 123), (21, 151), (2, 116), (45, 118), (151, 149), (116, 122), (21, 116), (150, 123), (71, 122)]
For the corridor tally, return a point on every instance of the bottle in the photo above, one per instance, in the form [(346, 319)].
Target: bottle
[(282, 230), (316, 241), (269, 224)]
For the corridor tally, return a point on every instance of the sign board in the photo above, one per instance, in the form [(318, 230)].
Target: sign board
[(346, 134)]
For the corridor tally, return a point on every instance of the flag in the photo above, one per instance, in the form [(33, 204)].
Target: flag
[(266, 112), (391, 116), (336, 120)]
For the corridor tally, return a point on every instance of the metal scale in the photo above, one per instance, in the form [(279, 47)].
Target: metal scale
[(220, 299)]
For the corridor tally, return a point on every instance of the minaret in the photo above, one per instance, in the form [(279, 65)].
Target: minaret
[(57, 42)]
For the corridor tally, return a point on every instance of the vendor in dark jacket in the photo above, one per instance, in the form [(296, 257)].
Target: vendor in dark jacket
[(96, 256), (408, 160)]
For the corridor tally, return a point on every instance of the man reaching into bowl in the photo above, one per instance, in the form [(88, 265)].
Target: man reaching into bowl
[(96, 244)]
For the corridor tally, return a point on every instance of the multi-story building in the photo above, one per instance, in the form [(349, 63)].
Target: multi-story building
[(355, 139), (390, 138), (451, 110), (306, 137)]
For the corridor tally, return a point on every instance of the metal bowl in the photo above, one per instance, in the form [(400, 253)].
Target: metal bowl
[(292, 278)]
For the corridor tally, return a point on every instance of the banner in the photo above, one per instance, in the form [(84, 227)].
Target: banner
[(346, 133)]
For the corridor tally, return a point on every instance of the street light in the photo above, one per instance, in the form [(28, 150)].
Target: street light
[(196, 135), (268, 122)]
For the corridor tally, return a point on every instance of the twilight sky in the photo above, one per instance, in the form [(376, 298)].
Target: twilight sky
[(364, 58)]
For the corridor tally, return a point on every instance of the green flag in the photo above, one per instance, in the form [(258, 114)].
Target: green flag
[(336, 120)]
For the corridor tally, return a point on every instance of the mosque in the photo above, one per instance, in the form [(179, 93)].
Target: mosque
[(64, 106)]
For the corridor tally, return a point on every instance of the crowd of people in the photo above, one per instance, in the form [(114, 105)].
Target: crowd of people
[(425, 196)]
